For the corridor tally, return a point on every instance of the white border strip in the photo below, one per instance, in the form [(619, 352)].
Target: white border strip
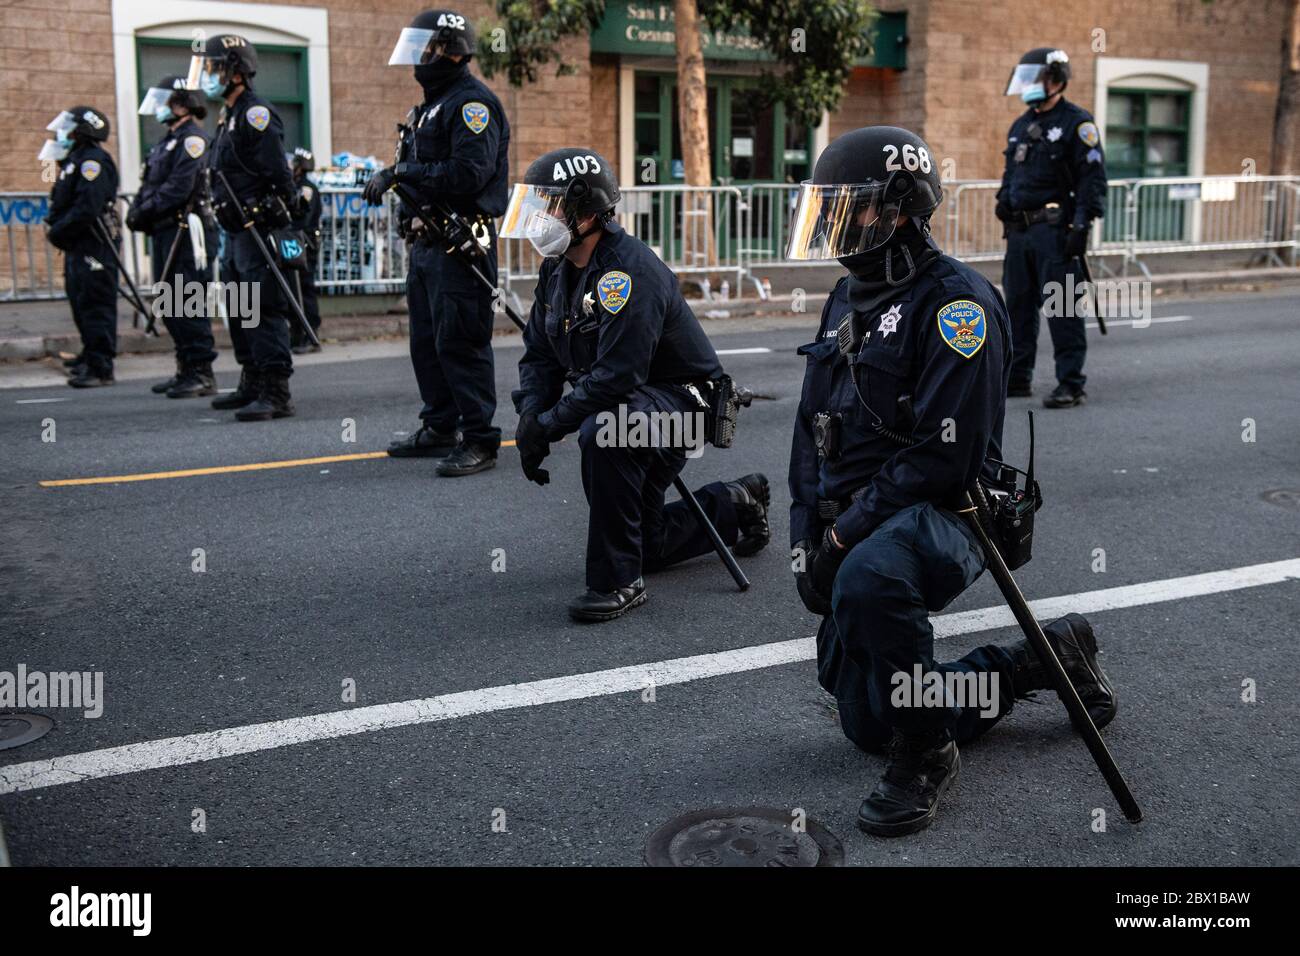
[(233, 741)]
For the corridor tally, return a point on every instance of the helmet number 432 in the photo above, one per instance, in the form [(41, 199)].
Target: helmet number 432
[(453, 20), (914, 158)]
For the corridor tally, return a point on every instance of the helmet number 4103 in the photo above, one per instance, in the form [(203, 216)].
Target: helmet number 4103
[(914, 158)]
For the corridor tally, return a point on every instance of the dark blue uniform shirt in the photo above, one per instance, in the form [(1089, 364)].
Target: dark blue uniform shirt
[(249, 149), (1061, 156), (172, 172), (942, 341), (617, 324), (87, 183), (454, 149)]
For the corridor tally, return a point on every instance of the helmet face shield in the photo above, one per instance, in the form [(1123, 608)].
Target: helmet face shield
[(155, 98), (64, 123), (1024, 77), (532, 210), (415, 47), (837, 220)]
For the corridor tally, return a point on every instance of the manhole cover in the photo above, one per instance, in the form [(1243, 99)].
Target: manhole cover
[(19, 729), (1284, 497), (746, 836)]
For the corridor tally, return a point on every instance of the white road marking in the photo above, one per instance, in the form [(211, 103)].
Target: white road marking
[(1158, 321), (753, 351), (38, 401), (253, 738)]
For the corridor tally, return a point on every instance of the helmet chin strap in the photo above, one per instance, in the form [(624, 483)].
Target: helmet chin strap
[(889, 265)]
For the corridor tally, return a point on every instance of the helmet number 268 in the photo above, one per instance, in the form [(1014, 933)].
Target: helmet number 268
[(914, 158)]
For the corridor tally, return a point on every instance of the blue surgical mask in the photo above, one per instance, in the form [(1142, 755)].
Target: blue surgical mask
[(164, 114), (211, 85), (63, 137), (1034, 93)]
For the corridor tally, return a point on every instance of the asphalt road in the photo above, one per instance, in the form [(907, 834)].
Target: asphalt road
[(378, 572)]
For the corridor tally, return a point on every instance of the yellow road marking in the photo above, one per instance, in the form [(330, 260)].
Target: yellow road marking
[(219, 470)]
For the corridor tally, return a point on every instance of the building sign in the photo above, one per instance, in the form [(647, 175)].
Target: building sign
[(646, 29)]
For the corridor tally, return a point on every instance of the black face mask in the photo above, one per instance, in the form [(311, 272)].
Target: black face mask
[(437, 76), (899, 262)]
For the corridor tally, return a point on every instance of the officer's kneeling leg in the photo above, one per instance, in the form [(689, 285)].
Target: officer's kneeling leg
[(914, 564), (612, 479)]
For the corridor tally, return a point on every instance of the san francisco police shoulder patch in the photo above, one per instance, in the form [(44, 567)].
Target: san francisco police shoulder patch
[(195, 145), (259, 117), (476, 116), (963, 326), (89, 170), (614, 289), (1088, 133)]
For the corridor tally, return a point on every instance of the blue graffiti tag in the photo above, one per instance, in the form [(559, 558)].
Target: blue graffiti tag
[(27, 212)]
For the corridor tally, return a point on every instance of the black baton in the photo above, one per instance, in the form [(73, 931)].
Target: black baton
[(134, 298), (1079, 715), (250, 228)]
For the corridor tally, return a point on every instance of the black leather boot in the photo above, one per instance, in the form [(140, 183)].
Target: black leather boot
[(425, 443), (600, 606), (920, 768), (244, 394), (751, 495), (467, 460), (272, 402), (1072, 639), (158, 388), (87, 377), (194, 381), (1063, 396)]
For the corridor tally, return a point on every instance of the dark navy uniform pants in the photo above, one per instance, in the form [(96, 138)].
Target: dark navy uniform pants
[(915, 563), (90, 280), (192, 334), (451, 343), (261, 340), (630, 529), (1034, 259)]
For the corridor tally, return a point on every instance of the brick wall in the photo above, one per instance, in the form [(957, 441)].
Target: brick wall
[(971, 45)]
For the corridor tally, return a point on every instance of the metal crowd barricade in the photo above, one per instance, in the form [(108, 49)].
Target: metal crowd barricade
[(34, 268)]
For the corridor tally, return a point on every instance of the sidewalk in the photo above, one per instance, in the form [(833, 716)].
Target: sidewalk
[(36, 330)]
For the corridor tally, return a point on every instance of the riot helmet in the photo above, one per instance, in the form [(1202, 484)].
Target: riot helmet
[(213, 70), (1036, 68), (560, 189)]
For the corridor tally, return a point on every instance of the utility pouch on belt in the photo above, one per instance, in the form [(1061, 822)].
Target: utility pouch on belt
[(725, 402), (1007, 510)]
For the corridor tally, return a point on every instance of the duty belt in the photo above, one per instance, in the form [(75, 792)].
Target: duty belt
[(1023, 219)]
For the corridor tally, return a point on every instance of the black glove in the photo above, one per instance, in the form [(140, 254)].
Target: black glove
[(379, 184), (1076, 240), (801, 553), (297, 205), (1003, 211), (530, 439), (824, 563)]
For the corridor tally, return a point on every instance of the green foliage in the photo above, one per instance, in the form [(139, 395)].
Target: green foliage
[(814, 42)]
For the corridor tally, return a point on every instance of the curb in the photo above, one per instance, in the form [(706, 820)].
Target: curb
[(394, 324)]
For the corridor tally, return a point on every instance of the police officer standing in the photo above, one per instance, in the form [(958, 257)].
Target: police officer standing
[(1053, 187), (81, 203), (172, 186), (452, 152), (308, 223), (249, 153), (608, 316), (902, 406)]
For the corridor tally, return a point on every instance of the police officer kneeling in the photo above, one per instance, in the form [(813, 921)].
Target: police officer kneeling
[(609, 317), (902, 408)]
